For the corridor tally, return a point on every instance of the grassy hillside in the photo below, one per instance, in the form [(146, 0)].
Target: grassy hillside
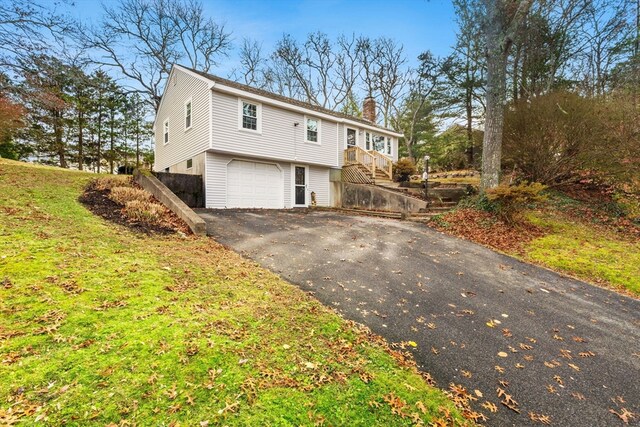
[(102, 325)]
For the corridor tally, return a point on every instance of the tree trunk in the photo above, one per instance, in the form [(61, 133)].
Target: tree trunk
[(80, 141), (469, 112), (99, 150), (111, 144), (496, 89), (138, 144), (59, 145)]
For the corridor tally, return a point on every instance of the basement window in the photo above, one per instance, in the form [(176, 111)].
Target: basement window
[(189, 163)]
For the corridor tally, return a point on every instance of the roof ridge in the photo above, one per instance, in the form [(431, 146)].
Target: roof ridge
[(283, 98)]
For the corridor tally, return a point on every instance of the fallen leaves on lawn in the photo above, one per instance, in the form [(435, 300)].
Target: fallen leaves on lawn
[(483, 228)]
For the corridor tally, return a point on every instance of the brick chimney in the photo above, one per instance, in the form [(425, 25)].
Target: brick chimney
[(369, 109)]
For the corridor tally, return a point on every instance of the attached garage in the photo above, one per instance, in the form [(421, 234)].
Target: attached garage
[(254, 185)]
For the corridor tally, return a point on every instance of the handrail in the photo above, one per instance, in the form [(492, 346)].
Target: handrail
[(356, 155), (372, 160), (384, 163)]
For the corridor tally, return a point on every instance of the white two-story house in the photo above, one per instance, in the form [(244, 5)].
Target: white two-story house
[(256, 149)]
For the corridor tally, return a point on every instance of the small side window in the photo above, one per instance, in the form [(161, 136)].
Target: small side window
[(166, 132), (187, 115), (189, 163), (166, 170)]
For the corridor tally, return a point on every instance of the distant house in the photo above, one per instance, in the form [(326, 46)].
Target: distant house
[(256, 149)]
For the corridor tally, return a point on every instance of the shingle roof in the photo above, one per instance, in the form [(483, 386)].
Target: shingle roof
[(286, 99)]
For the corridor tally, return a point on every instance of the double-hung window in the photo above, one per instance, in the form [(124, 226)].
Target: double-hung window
[(312, 130), (166, 131), (187, 114), (249, 116)]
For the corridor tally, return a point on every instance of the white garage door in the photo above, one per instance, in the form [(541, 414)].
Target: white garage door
[(254, 185)]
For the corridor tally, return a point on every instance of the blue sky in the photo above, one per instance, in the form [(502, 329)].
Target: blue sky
[(418, 24)]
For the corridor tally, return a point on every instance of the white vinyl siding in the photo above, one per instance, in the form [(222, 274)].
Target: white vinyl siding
[(182, 145), (279, 140), (319, 183)]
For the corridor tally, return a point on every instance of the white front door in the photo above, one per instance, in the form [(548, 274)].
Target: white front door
[(254, 185), (300, 181)]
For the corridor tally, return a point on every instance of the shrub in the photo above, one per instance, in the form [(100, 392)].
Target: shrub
[(403, 169), (122, 195), (143, 211), (511, 200), (552, 138), (108, 182)]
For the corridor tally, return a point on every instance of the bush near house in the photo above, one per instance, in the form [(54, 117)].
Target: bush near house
[(512, 200), (403, 169)]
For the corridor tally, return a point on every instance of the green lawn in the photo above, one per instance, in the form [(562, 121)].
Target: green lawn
[(586, 251), (99, 325)]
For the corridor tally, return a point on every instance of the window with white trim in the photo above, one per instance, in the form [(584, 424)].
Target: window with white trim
[(351, 137), (249, 116), (166, 131), (388, 146), (187, 114), (368, 141), (312, 130), (189, 163)]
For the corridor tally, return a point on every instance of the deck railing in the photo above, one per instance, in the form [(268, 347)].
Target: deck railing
[(356, 155), (383, 163), (372, 160)]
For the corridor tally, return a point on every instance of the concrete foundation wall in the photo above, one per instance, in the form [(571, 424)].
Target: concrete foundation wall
[(189, 188), (370, 197)]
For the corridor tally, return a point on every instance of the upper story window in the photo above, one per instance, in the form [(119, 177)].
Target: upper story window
[(312, 130), (351, 137), (187, 114), (166, 131), (249, 116)]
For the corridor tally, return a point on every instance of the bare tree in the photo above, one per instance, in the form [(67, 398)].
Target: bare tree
[(392, 75), (252, 64), (324, 72), (605, 30), (27, 28), (142, 39), (502, 20), (410, 116)]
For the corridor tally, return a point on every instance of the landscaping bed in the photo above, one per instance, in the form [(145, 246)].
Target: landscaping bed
[(96, 198)]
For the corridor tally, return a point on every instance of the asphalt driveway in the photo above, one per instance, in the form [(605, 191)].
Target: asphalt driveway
[(559, 347)]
